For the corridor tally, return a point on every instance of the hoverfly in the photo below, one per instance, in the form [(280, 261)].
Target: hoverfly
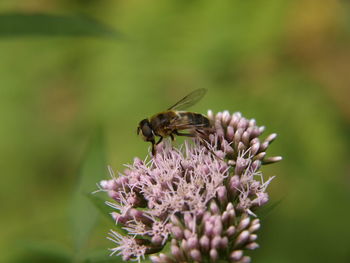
[(173, 120)]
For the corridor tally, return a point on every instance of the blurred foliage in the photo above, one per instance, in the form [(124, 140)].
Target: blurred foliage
[(17, 24), (83, 213), (284, 63)]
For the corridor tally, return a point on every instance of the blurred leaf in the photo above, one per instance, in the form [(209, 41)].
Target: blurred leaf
[(267, 209), (84, 214), (20, 24), (105, 210), (43, 251), (101, 256), (100, 204)]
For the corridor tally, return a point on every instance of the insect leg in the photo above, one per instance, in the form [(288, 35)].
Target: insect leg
[(153, 148), (184, 134), (201, 139), (172, 137), (160, 139), (205, 144), (200, 132)]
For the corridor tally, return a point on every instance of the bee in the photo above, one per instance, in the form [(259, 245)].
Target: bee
[(173, 120)]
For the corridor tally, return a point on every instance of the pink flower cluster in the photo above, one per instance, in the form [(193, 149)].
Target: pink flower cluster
[(200, 199)]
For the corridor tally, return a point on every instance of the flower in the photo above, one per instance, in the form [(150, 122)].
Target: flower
[(200, 198)]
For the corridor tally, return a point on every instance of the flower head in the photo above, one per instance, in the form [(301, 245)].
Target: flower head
[(201, 198)]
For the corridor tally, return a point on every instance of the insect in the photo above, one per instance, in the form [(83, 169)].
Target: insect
[(173, 120)]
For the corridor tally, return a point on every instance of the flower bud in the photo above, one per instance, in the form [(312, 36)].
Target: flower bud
[(230, 133), (196, 255), (260, 156), (164, 258), (256, 165), (204, 242), (252, 246), (271, 138), (255, 148), (214, 207), (225, 218), (236, 255), (187, 234), (114, 195), (245, 137), (215, 242), (243, 123), (154, 259), (217, 229), (274, 159), (245, 259), (177, 232), (264, 146), (253, 237), (241, 147), (184, 245), (242, 238), (238, 136), (234, 184), (177, 253), (230, 231), (192, 242), (157, 240), (245, 221), (255, 225), (226, 117), (214, 255), (224, 243)]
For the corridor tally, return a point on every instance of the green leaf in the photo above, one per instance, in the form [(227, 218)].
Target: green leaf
[(267, 209), (83, 212), (41, 251), (21, 24), (101, 256), (100, 204), (105, 210)]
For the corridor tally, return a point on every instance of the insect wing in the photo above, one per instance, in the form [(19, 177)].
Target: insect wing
[(189, 100), (185, 126), (181, 124)]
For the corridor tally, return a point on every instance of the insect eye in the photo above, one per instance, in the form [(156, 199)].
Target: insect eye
[(146, 131)]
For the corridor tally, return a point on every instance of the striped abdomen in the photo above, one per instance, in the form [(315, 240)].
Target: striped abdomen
[(166, 123), (194, 119)]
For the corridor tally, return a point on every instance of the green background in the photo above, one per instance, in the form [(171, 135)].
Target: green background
[(73, 88)]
